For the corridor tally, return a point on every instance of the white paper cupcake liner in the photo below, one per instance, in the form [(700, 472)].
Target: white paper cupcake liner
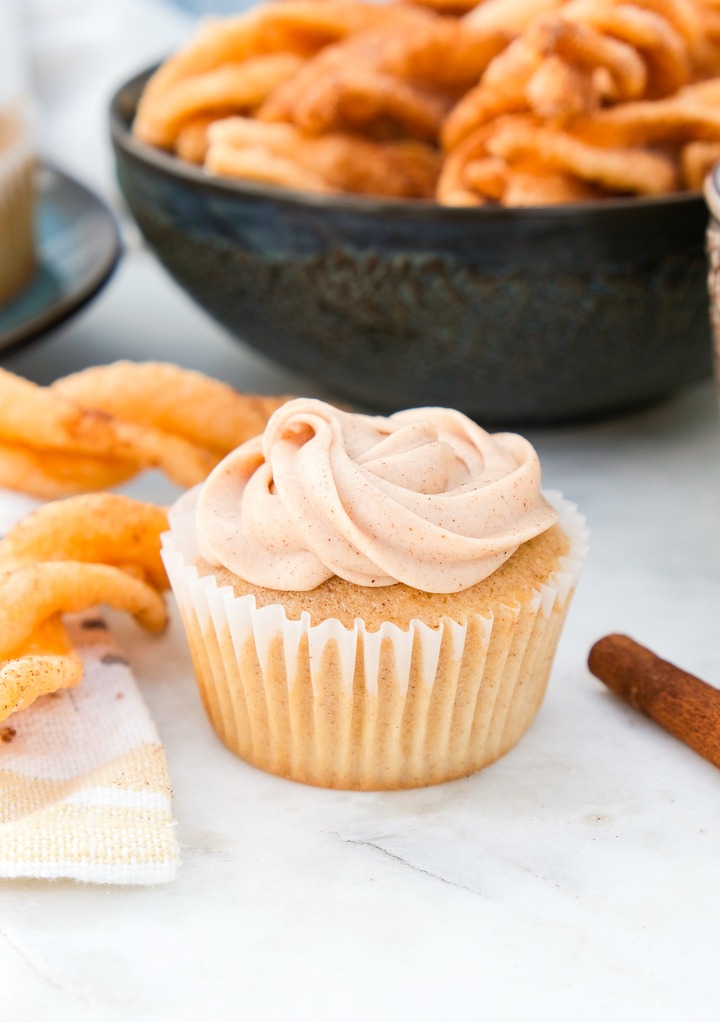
[(17, 200), (351, 708)]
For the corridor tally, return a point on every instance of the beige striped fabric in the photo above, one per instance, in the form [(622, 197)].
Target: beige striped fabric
[(84, 787)]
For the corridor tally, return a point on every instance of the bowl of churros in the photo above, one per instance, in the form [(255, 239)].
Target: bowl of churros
[(495, 207)]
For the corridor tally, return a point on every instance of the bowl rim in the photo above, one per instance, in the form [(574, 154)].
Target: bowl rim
[(202, 180)]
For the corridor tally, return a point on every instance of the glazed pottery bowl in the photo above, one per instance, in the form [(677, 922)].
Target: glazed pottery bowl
[(511, 315)]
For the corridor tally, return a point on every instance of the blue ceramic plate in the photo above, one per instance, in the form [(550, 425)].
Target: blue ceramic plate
[(78, 247)]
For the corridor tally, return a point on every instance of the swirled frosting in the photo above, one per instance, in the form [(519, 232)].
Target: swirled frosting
[(425, 497)]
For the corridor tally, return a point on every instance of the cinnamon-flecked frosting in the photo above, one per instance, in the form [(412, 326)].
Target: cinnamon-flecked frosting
[(425, 497)]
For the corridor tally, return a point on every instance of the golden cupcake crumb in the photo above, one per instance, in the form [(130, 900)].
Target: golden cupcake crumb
[(514, 582)]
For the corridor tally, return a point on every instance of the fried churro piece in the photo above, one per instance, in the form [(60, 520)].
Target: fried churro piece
[(41, 665), (255, 163), (502, 90), (35, 592), (173, 400), (549, 188), (36, 655), (620, 170), (697, 159), (294, 26), (65, 557), (99, 427), (191, 141), (53, 474), (232, 88), (343, 161), (104, 528), (560, 90), (665, 52), (511, 16), (646, 123), (487, 176), (42, 420)]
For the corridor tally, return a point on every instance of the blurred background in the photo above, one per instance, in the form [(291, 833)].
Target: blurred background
[(77, 51)]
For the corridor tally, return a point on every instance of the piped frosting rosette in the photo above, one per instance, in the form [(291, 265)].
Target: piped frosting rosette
[(425, 498)]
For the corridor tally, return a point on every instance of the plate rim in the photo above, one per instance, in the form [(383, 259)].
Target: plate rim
[(67, 305)]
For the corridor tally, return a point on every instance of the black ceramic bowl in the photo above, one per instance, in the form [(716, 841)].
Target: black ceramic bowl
[(511, 315)]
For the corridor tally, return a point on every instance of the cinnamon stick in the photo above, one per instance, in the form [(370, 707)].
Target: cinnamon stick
[(682, 704)]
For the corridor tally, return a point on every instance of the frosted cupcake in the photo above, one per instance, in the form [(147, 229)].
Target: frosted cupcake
[(373, 603)]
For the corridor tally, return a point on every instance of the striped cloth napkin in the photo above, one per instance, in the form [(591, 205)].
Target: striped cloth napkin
[(84, 787)]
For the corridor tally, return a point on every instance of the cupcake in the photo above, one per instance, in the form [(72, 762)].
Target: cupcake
[(373, 603), (17, 256)]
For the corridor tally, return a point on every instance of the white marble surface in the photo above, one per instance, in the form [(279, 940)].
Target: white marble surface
[(577, 878)]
